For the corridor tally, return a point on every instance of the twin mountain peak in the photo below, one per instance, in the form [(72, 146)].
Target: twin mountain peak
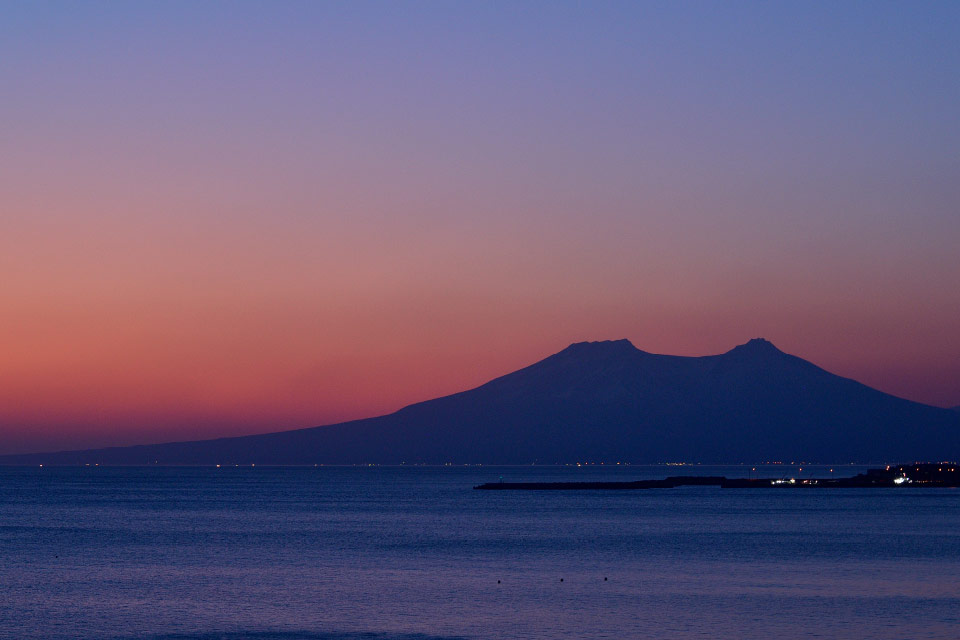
[(606, 402), (755, 345)]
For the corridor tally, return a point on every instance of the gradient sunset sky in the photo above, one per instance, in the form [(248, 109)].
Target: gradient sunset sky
[(228, 218)]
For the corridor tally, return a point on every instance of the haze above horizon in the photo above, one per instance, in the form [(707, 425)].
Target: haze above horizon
[(234, 218)]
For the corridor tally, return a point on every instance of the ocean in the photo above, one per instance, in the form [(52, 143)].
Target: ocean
[(414, 553)]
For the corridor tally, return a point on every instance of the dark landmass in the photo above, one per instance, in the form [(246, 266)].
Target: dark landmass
[(915, 475), (604, 401)]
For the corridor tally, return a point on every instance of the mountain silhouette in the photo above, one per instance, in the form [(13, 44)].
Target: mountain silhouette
[(606, 402)]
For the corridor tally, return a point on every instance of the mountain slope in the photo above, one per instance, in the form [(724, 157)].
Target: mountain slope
[(606, 401)]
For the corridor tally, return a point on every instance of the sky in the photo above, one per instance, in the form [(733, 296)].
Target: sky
[(224, 218)]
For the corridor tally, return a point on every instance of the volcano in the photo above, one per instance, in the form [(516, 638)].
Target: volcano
[(605, 402)]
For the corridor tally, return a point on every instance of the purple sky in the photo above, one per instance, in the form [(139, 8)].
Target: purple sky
[(223, 218)]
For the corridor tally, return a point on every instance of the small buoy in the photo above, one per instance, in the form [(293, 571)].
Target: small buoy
[(561, 579), (604, 578), (498, 582)]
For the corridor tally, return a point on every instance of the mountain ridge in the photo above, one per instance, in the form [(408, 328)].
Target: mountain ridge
[(604, 401)]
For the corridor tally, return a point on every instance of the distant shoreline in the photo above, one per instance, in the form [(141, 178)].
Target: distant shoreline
[(913, 475)]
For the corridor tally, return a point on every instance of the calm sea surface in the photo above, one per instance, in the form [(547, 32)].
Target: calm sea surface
[(414, 552)]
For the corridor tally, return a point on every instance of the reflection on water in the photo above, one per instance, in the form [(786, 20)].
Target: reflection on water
[(415, 553)]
